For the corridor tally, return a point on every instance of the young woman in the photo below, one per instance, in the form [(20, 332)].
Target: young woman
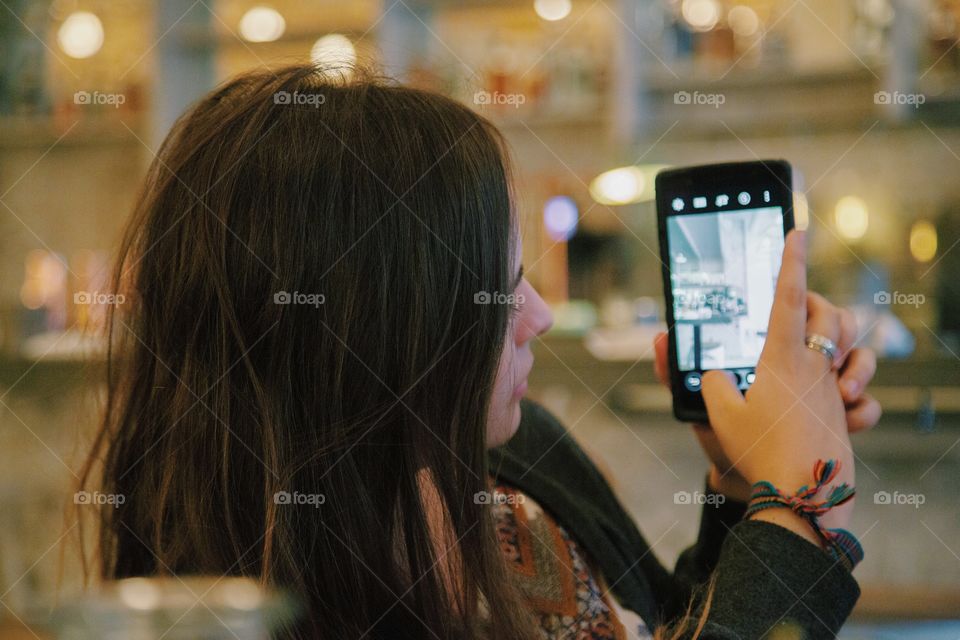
[(317, 381)]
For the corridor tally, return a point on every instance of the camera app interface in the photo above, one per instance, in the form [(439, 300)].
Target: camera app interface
[(724, 268)]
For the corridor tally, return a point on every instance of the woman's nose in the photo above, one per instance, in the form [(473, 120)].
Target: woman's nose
[(536, 318)]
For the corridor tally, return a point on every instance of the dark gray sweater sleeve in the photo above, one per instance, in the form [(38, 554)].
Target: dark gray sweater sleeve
[(719, 515), (766, 580)]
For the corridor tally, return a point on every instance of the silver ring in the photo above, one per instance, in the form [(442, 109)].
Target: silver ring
[(822, 344)]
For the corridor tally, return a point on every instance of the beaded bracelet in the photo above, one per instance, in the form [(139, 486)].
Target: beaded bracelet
[(841, 544)]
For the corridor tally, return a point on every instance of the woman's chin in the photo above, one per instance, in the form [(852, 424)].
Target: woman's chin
[(506, 427)]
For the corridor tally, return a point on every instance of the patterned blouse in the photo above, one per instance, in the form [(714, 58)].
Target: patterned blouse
[(565, 591)]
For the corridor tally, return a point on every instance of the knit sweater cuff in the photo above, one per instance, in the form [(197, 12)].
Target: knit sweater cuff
[(769, 579)]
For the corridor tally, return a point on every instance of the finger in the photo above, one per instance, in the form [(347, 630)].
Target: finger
[(701, 428), (863, 414), (856, 374), (660, 358), (721, 395), (788, 317), (847, 335), (849, 332), (823, 319)]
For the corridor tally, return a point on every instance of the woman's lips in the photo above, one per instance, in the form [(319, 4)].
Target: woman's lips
[(521, 388)]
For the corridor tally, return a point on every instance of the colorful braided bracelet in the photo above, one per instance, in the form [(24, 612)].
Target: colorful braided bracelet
[(840, 543)]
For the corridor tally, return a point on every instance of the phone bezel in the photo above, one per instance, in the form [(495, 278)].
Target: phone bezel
[(775, 175)]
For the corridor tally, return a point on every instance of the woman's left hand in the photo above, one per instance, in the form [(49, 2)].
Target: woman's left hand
[(856, 367)]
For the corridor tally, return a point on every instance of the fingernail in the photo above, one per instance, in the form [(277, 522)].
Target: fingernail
[(851, 387)]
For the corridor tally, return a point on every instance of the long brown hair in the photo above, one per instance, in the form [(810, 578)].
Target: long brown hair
[(300, 276)]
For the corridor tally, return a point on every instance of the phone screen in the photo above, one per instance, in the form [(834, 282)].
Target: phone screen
[(722, 238)]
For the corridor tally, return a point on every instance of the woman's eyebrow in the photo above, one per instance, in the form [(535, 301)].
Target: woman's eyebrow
[(519, 277)]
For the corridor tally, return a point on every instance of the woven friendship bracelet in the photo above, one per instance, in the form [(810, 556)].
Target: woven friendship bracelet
[(840, 543)]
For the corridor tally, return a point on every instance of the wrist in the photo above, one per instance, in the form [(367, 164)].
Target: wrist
[(802, 512), (731, 484)]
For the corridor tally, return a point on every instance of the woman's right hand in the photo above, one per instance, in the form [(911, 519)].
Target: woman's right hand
[(793, 413)]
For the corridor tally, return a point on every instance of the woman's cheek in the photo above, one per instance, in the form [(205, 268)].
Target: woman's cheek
[(504, 412)]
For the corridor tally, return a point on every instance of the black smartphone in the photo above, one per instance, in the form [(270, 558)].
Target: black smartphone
[(722, 229)]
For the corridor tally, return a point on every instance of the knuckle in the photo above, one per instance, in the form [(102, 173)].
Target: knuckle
[(825, 319), (850, 319), (794, 296), (836, 322), (834, 313), (863, 362), (816, 299)]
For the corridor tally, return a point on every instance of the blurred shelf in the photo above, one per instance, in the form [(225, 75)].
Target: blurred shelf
[(902, 602), (469, 4), (200, 38), (792, 102), (762, 77), (899, 385), (19, 132), (547, 120), (47, 378)]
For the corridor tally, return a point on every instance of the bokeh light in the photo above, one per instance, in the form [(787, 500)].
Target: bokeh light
[(923, 241), (262, 24), (702, 15), (560, 216), (552, 10), (743, 20), (623, 185), (80, 35), (851, 217), (335, 51)]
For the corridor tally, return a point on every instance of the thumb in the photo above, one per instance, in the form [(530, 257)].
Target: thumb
[(660, 359), (788, 316), (721, 395)]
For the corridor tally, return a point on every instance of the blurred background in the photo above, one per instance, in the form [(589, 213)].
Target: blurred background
[(594, 96)]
